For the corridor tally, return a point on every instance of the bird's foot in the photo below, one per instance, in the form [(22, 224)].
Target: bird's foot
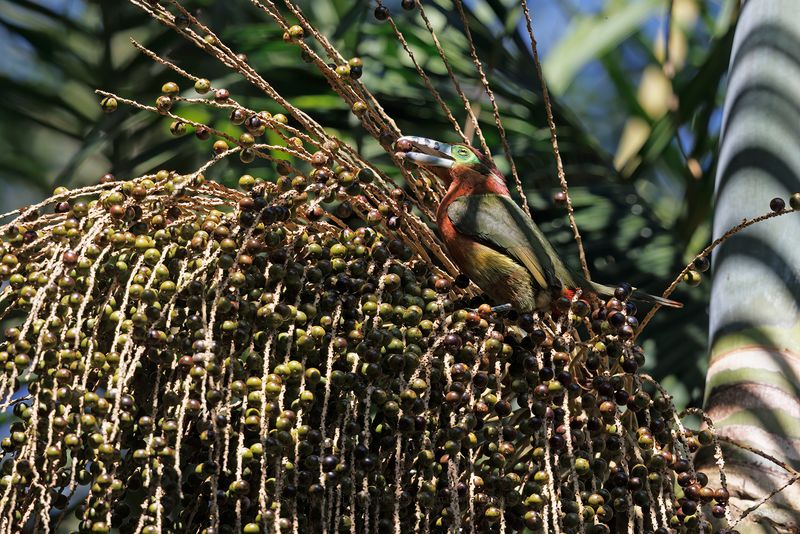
[(485, 311), (503, 308)]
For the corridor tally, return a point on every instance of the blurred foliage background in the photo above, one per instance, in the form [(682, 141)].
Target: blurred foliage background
[(638, 87)]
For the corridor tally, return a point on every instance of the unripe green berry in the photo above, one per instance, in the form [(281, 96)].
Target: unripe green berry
[(170, 89), (296, 32), (178, 128), (108, 104), (246, 182), (692, 278), (794, 201), (202, 86)]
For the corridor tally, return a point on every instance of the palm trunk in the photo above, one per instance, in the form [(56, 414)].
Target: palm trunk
[(753, 381)]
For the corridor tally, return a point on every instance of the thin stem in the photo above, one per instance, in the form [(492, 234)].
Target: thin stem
[(669, 68), (705, 252), (456, 85), (495, 110), (562, 177), (426, 80)]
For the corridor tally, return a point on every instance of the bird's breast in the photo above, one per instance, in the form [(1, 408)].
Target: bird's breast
[(498, 274)]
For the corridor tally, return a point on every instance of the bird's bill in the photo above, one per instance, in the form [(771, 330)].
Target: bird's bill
[(425, 152)]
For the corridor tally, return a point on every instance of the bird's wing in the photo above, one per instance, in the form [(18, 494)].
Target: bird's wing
[(499, 222)]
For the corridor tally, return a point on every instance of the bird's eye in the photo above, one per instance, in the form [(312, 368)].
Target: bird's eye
[(464, 154)]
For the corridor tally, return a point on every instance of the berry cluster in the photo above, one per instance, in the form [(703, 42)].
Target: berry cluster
[(201, 358)]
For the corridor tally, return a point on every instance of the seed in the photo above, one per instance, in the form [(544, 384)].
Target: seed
[(581, 308), (315, 213), (163, 104), (794, 201), (343, 71), (319, 159), (403, 145), (238, 116), (152, 255), (623, 291), (344, 210), (692, 278), (108, 104), (181, 21), (222, 95), (246, 182), (366, 175), (359, 107), (178, 128), (689, 507), (616, 319), (220, 146), (701, 264), (100, 527), (560, 199), (247, 155), (170, 89), (255, 125), (408, 5), (117, 211), (296, 32), (777, 204), (381, 13), (246, 139), (202, 86), (202, 133)]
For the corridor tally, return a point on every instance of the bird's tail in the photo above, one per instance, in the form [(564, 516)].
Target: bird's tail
[(638, 296)]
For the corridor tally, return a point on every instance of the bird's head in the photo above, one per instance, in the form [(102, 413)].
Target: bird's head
[(457, 164)]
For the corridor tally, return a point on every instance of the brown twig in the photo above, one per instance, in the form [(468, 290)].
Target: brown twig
[(456, 85), (562, 177), (426, 80), (795, 476), (783, 465), (495, 111), (705, 252)]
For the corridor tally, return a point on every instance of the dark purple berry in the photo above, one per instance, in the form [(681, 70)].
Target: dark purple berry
[(777, 204), (381, 13)]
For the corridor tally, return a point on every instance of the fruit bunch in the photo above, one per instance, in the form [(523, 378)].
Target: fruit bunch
[(300, 353), (197, 358)]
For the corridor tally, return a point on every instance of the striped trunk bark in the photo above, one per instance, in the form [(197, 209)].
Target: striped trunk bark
[(753, 381)]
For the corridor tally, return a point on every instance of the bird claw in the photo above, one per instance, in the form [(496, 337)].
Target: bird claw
[(494, 311), (503, 308)]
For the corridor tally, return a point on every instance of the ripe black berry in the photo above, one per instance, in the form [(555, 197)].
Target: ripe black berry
[(381, 13), (777, 204)]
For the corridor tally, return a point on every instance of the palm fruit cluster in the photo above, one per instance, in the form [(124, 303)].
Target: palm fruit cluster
[(299, 354), (192, 358)]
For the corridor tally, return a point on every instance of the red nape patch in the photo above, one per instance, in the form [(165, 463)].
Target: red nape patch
[(569, 293)]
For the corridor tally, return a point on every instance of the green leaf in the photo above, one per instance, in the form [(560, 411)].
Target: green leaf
[(591, 37)]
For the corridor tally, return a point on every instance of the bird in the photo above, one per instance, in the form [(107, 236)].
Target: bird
[(492, 240)]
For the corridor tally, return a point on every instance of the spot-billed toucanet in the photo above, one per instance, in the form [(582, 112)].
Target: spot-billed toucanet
[(491, 239)]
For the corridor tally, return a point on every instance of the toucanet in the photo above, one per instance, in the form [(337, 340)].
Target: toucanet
[(490, 238)]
